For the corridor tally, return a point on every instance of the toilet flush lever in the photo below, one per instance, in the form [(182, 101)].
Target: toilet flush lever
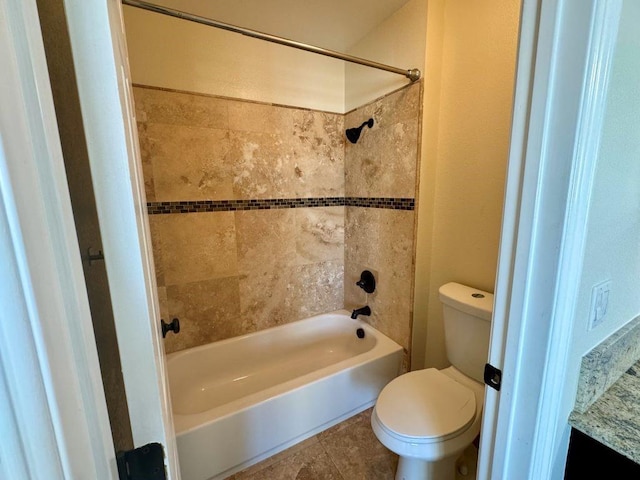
[(492, 376)]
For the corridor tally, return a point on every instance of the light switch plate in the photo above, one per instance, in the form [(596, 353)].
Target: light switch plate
[(599, 303)]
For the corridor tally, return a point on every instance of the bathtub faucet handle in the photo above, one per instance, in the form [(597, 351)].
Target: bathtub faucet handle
[(361, 311), (367, 281), (174, 326)]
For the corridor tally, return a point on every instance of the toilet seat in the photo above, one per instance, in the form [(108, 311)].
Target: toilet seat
[(425, 406)]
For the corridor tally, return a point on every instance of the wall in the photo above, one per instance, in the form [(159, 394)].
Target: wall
[(399, 41), (466, 50), (383, 165), (226, 273), (612, 250), (172, 53), (388, 167), (477, 66), (427, 179), (247, 212), (247, 204)]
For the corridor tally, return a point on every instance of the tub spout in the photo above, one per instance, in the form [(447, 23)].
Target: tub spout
[(361, 311)]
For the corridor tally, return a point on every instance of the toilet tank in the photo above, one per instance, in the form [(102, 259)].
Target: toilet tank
[(467, 326)]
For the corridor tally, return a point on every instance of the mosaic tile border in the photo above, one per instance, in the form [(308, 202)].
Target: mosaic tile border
[(198, 206), (380, 202)]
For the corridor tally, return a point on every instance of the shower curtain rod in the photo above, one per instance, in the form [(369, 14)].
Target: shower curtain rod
[(412, 74)]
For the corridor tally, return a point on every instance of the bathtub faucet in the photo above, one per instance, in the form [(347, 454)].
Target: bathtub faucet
[(361, 311)]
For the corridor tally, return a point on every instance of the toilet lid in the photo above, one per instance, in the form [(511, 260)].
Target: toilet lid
[(425, 404)]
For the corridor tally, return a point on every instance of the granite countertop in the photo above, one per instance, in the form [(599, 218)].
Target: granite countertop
[(614, 418), (607, 404)]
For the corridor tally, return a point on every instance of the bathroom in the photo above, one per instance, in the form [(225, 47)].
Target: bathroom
[(253, 269), (604, 246), (269, 123)]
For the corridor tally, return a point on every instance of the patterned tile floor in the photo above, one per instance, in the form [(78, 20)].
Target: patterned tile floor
[(347, 451)]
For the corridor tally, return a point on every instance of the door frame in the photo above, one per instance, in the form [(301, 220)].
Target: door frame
[(54, 422), (559, 108), (62, 430), (98, 44)]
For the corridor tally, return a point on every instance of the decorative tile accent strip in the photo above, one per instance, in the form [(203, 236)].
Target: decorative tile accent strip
[(160, 208), (390, 203), (606, 363)]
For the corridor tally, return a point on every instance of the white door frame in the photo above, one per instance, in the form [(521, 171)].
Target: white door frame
[(53, 421), (559, 107), (96, 32), (57, 425)]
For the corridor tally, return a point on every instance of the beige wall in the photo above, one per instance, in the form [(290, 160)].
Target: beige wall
[(213, 147), (465, 149), (399, 41), (427, 177), (171, 53), (389, 168), (383, 164), (466, 50), (468, 58), (227, 273)]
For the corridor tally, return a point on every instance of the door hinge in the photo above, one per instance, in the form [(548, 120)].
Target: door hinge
[(492, 376), (143, 463)]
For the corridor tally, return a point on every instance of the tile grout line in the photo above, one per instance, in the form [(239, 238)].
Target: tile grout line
[(333, 462)]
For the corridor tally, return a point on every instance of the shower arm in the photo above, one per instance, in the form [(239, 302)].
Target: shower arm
[(412, 74)]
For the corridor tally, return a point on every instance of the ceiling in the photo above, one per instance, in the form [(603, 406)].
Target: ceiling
[(334, 24)]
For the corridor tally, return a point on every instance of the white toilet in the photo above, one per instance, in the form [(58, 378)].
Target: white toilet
[(429, 417)]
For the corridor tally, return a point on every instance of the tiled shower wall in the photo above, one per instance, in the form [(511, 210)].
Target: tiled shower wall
[(247, 204), (384, 164)]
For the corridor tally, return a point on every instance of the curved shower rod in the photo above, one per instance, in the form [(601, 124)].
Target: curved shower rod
[(412, 74)]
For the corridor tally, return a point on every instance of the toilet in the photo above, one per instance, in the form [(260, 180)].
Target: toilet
[(429, 417)]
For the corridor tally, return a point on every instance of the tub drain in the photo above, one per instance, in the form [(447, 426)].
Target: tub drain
[(360, 332)]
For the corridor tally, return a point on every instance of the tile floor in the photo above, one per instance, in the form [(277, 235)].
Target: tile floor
[(347, 451)]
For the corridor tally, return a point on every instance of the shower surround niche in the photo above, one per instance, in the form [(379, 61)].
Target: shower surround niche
[(259, 211)]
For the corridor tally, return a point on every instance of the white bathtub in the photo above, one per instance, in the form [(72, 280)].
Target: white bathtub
[(241, 400)]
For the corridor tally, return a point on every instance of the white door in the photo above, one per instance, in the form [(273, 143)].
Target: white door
[(56, 423), (100, 59), (562, 77), (53, 415)]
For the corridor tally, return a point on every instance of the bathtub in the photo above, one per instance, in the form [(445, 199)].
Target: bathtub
[(241, 400)]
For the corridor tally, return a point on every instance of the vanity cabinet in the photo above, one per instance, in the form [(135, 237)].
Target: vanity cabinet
[(588, 459)]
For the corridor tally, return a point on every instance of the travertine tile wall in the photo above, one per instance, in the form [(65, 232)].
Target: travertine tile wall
[(231, 272), (384, 164), (227, 273)]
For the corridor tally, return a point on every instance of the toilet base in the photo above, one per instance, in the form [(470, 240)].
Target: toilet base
[(410, 468)]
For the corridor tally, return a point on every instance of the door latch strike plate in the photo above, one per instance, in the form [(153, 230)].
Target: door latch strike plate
[(492, 376)]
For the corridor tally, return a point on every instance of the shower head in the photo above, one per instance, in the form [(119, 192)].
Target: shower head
[(353, 134)]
